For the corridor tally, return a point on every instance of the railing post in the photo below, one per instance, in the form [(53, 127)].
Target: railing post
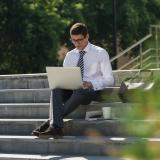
[(141, 56), (150, 29), (140, 59), (157, 47)]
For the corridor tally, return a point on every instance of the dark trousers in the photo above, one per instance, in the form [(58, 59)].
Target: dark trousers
[(63, 102)]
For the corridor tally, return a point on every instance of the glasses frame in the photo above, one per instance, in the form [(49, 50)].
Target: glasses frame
[(77, 40)]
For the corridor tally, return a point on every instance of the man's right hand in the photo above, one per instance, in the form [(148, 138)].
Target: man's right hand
[(87, 85)]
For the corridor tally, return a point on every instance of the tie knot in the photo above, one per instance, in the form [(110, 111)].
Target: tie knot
[(82, 53)]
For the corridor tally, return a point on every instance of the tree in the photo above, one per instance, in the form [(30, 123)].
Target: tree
[(133, 19), (29, 31)]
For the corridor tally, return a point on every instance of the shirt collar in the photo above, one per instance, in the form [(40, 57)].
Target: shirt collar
[(86, 49)]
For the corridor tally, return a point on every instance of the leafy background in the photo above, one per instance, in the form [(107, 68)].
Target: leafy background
[(33, 31)]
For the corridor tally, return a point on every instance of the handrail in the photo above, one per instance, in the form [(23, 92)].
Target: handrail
[(136, 58), (149, 64), (147, 58), (154, 25), (129, 48), (134, 67), (148, 50), (143, 56), (130, 62)]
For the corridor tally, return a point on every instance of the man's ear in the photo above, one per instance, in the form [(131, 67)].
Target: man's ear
[(87, 36)]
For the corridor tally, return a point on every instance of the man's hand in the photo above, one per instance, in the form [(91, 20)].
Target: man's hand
[(87, 85)]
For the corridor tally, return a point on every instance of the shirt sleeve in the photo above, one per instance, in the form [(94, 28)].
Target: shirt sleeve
[(107, 79), (68, 60)]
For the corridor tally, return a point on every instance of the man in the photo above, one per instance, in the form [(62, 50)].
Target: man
[(96, 74)]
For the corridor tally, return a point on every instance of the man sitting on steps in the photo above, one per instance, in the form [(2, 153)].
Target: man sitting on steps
[(96, 74)]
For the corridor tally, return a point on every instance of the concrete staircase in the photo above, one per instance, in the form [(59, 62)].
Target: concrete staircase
[(24, 104)]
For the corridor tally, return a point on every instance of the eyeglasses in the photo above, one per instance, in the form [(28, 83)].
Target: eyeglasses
[(77, 40)]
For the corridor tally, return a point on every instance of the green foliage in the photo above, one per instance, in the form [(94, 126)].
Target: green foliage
[(143, 122), (134, 20), (31, 31)]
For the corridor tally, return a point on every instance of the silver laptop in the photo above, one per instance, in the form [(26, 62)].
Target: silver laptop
[(64, 77)]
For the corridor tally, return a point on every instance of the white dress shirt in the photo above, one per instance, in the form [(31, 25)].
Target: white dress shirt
[(97, 67)]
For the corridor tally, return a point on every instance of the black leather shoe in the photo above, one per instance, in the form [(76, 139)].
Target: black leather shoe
[(52, 133), (41, 128)]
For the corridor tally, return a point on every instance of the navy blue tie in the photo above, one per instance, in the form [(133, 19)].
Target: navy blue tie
[(80, 62)]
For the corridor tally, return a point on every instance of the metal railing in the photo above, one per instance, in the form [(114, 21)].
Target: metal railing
[(146, 57)]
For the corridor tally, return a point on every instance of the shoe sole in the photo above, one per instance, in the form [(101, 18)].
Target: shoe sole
[(50, 136), (35, 134)]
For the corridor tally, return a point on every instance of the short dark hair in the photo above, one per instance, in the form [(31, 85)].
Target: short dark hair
[(79, 28)]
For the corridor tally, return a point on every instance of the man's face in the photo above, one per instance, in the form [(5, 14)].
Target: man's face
[(79, 41)]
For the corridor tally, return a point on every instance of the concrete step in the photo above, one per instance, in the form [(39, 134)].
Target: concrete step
[(54, 157), (99, 146), (23, 81), (112, 127), (41, 110), (34, 110), (24, 96), (24, 110), (39, 80), (19, 126), (116, 127), (43, 95)]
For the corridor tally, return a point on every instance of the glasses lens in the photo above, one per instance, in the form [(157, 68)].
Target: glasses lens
[(77, 40)]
